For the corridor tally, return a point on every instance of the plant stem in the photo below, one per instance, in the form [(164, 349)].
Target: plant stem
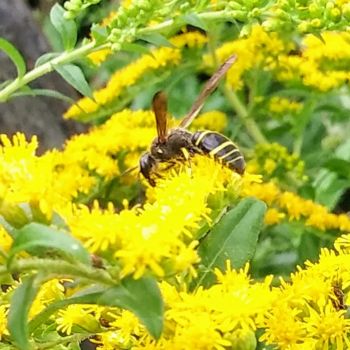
[(209, 16), (242, 113), (47, 67), (62, 268)]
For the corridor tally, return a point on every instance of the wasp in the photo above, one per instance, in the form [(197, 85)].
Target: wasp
[(179, 143)]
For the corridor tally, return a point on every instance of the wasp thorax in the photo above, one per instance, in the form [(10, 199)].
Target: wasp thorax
[(172, 147)]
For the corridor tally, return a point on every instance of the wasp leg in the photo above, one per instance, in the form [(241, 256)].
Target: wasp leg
[(187, 153)]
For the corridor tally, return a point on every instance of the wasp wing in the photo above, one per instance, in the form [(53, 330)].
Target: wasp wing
[(159, 105), (209, 87)]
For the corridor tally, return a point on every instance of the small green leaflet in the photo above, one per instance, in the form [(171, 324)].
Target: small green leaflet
[(194, 20), (156, 39), (45, 58), (35, 235), (18, 315), (44, 92), (14, 55), (65, 27), (234, 237), (141, 296), (74, 76)]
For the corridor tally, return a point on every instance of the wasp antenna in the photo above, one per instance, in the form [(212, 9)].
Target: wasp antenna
[(129, 170), (209, 87)]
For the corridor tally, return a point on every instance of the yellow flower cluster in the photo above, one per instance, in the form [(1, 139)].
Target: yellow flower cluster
[(162, 232), (309, 311), (274, 161), (223, 316), (280, 105), (296, 208), (213, 120), (133, 72), (27, 178), (259, 49), (322, 64)]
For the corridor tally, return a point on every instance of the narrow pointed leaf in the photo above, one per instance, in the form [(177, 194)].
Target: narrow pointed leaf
[(136, 48), (156, 39), (14, 55), (142, 297), (34, 236), (45, 58), (75, 77), (234, 237), (44, 92), (194, 20), (67, 28), (21, 302)]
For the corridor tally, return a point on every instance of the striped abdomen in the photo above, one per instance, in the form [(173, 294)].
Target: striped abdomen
[(221, 148)]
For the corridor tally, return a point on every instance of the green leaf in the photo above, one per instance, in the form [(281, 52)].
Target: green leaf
[(156, 39), (75, 77), (65, 27), (44, 92), (21, 302), (234, 237), (14, 55), (142, 297), (339, 166), (136, 48), (34, 235), (194, 20), (99, 33), (45, 58), (343, 151), (329, 188)]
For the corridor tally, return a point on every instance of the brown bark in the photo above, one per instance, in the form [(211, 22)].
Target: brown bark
[(41, 116)]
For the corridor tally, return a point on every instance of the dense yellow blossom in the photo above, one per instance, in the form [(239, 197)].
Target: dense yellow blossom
[(313, 66), (5, 240), (130, 74), (304, 315), (280, 105), (3, 320), (157, 234), (28, 178), (298, 208), (212, 120), (49, 292), (221, 316), (258, 49)]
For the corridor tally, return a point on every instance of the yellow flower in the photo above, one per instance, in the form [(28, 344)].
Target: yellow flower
[(79, 315), (313, 66), (213, 120), (273, 216), (3, 321), (328, 326), (258, 48), (160, 233), (50, 291), (280, 105), (5, 240)]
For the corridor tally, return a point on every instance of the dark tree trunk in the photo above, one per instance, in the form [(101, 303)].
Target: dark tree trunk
[(40, 116)]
